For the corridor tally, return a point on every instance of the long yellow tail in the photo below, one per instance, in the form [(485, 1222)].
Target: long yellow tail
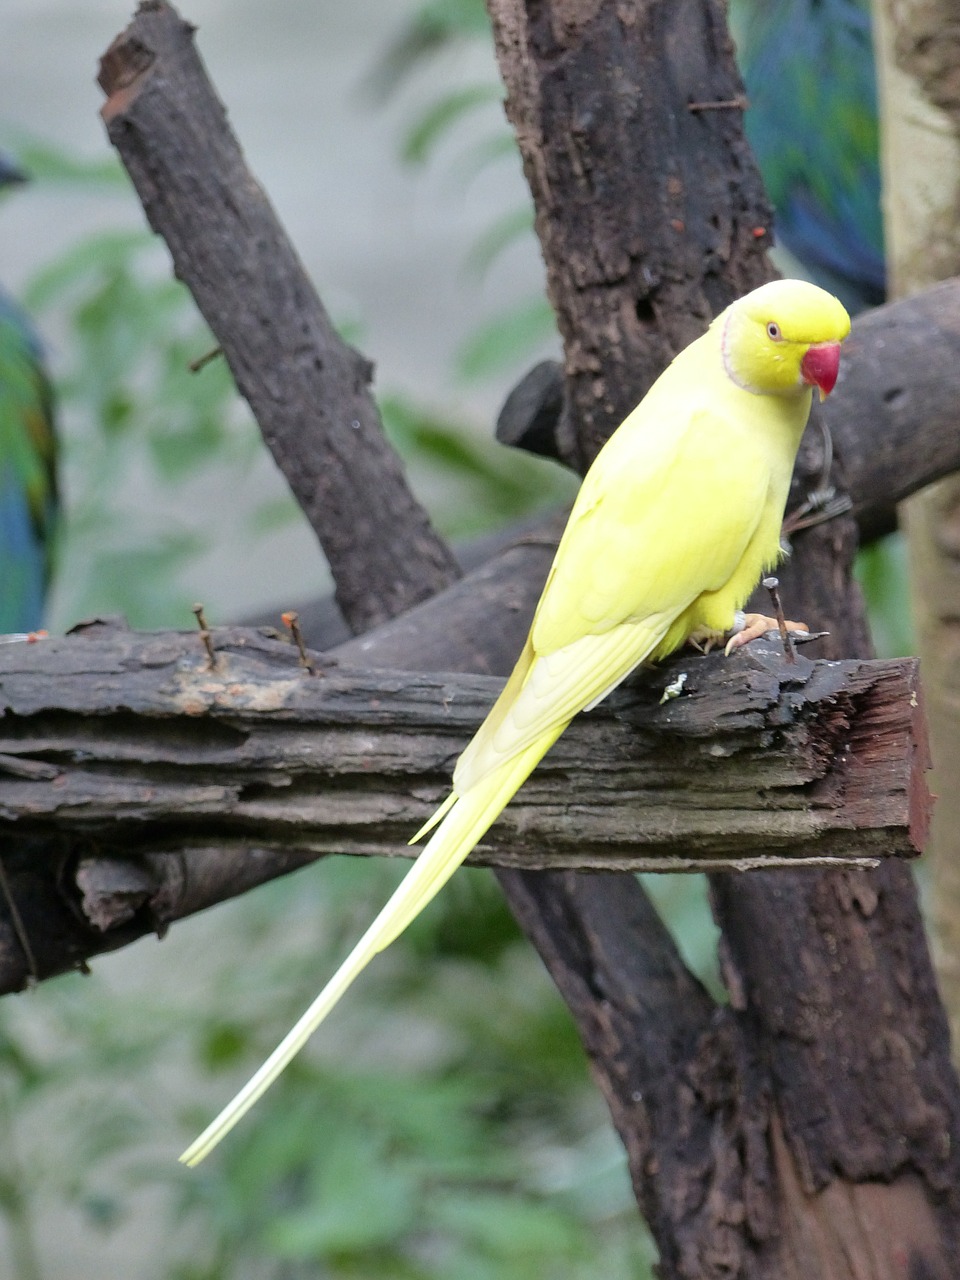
[(465, 822)]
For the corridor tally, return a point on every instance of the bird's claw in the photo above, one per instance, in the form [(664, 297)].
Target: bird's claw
[(703, 639), (753, 626)]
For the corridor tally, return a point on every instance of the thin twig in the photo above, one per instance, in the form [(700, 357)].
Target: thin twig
[(201, 362), (291, 620)]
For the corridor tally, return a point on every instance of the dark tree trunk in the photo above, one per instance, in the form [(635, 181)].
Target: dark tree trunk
[(647, 211), (649, 208)]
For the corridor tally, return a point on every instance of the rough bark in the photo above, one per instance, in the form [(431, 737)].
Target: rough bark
[(864, 1117), (607, 99), (918, 43), (304, 384)]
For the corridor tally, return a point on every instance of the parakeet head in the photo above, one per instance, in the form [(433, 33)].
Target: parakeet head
[(782, 338)]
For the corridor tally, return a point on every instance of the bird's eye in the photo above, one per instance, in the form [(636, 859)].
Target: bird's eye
[(773, 332)]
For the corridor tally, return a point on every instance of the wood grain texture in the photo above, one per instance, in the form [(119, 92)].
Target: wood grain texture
[(128, 740)]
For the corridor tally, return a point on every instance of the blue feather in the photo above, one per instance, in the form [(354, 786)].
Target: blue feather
[(28, 488), (809, 71)]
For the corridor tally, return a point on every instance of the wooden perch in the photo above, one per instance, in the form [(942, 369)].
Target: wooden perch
[(755, 762), (118, 748)]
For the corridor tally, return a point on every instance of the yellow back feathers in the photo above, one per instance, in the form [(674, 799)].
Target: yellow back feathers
[(675, 522)]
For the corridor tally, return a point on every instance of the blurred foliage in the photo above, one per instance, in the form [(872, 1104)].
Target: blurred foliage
[(47, 163), (445, 1127), (426, 1136), (134, 417), (510, 336), (883, 574), (432, 26), (475, 484), (446, 111), (505, 343)]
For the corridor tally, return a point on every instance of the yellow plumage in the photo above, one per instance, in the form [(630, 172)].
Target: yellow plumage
[(675, 522)]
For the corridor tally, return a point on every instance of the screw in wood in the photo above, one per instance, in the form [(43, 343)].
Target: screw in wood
[(773, 586), (205, 635), (291, 620)]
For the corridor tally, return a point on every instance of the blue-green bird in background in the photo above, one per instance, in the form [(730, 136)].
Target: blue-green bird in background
[(28, 480), (810, 76)]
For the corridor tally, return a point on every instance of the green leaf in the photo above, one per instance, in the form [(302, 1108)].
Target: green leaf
[(45, 163), (683, 903), (506, 341), (433, 28), (482, 483), (363, 1200), (437, 120), (466, 18), (223, 1045), (883, 573), (505, 1223), (510, 227), (107, 249), (480, 156), (277, 513)]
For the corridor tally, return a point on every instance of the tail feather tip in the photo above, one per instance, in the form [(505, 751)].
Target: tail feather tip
[(435, 819)]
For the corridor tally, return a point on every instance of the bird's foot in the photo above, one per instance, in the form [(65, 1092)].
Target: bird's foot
[(751, 626), (704, 639)]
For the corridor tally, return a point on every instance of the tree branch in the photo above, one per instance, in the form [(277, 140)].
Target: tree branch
[(758, 764), (308, 389), (632, 281), (755, 759)]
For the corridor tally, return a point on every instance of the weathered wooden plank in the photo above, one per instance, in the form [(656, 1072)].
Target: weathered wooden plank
[(132, 740)]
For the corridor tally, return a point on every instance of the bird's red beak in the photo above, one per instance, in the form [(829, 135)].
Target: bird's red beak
[(820, 366)]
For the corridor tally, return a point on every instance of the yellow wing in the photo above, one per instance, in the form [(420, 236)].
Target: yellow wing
[(665, 514), (663, 517)]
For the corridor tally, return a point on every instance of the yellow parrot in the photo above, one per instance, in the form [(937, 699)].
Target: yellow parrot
[(673, 526)]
